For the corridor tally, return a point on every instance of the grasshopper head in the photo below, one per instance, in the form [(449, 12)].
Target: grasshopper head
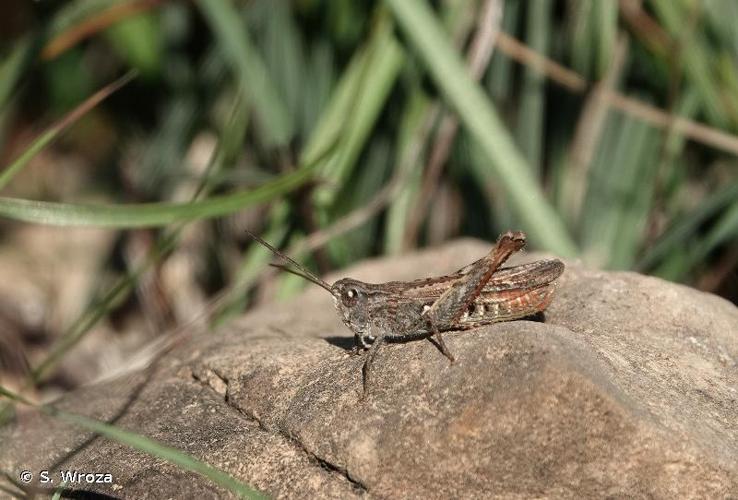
[(350, 297)]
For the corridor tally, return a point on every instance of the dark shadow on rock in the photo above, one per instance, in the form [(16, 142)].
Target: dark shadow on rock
[(87, 495), (539, 317), (346, 343)]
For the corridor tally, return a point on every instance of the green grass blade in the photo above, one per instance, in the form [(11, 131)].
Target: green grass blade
[(11, 69), (274, 120), (148, 214), (478, 115), (232, 131), (283, 56), (499, 80), (408, 164), (157, 449), (357, 243), (333, 134), (725, 229), (582, 36), (686, 227), (146, 445), (17, 398), (634, 208), (533, 100), (52, 133), (59, 491), (606, 28), (252, 263), (319, 80), (620, 187), (359, 98), (75, 12), (71, 336), (698, 57)]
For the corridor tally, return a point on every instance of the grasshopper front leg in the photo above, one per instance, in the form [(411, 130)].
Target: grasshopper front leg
[(366, 369), (360, 345)]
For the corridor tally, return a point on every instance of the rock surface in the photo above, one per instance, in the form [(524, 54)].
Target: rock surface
[(629, 389)]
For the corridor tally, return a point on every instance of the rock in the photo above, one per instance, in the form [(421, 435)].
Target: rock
[(629, 389)]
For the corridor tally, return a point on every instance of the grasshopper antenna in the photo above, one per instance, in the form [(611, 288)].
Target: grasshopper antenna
[(301, 275), (299, 271)]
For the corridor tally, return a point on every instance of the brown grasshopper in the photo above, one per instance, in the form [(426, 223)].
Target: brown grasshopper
[(475, 295)]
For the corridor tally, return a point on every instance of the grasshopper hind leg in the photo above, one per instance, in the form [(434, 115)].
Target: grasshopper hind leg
[(442, 346), (439, 339)]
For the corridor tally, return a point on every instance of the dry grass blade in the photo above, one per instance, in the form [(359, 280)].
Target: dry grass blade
[(655, 116), (95, 24), (586, 138), (480, 52), (481, 119)]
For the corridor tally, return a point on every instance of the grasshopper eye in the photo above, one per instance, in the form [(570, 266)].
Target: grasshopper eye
[(350, 296)]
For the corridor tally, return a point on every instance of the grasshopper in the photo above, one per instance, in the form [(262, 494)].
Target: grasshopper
[(478, 294)]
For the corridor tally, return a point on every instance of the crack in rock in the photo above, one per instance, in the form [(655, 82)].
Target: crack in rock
[(219, 383)]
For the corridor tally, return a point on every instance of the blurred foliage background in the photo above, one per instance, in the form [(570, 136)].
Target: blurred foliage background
[(340, 130)]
